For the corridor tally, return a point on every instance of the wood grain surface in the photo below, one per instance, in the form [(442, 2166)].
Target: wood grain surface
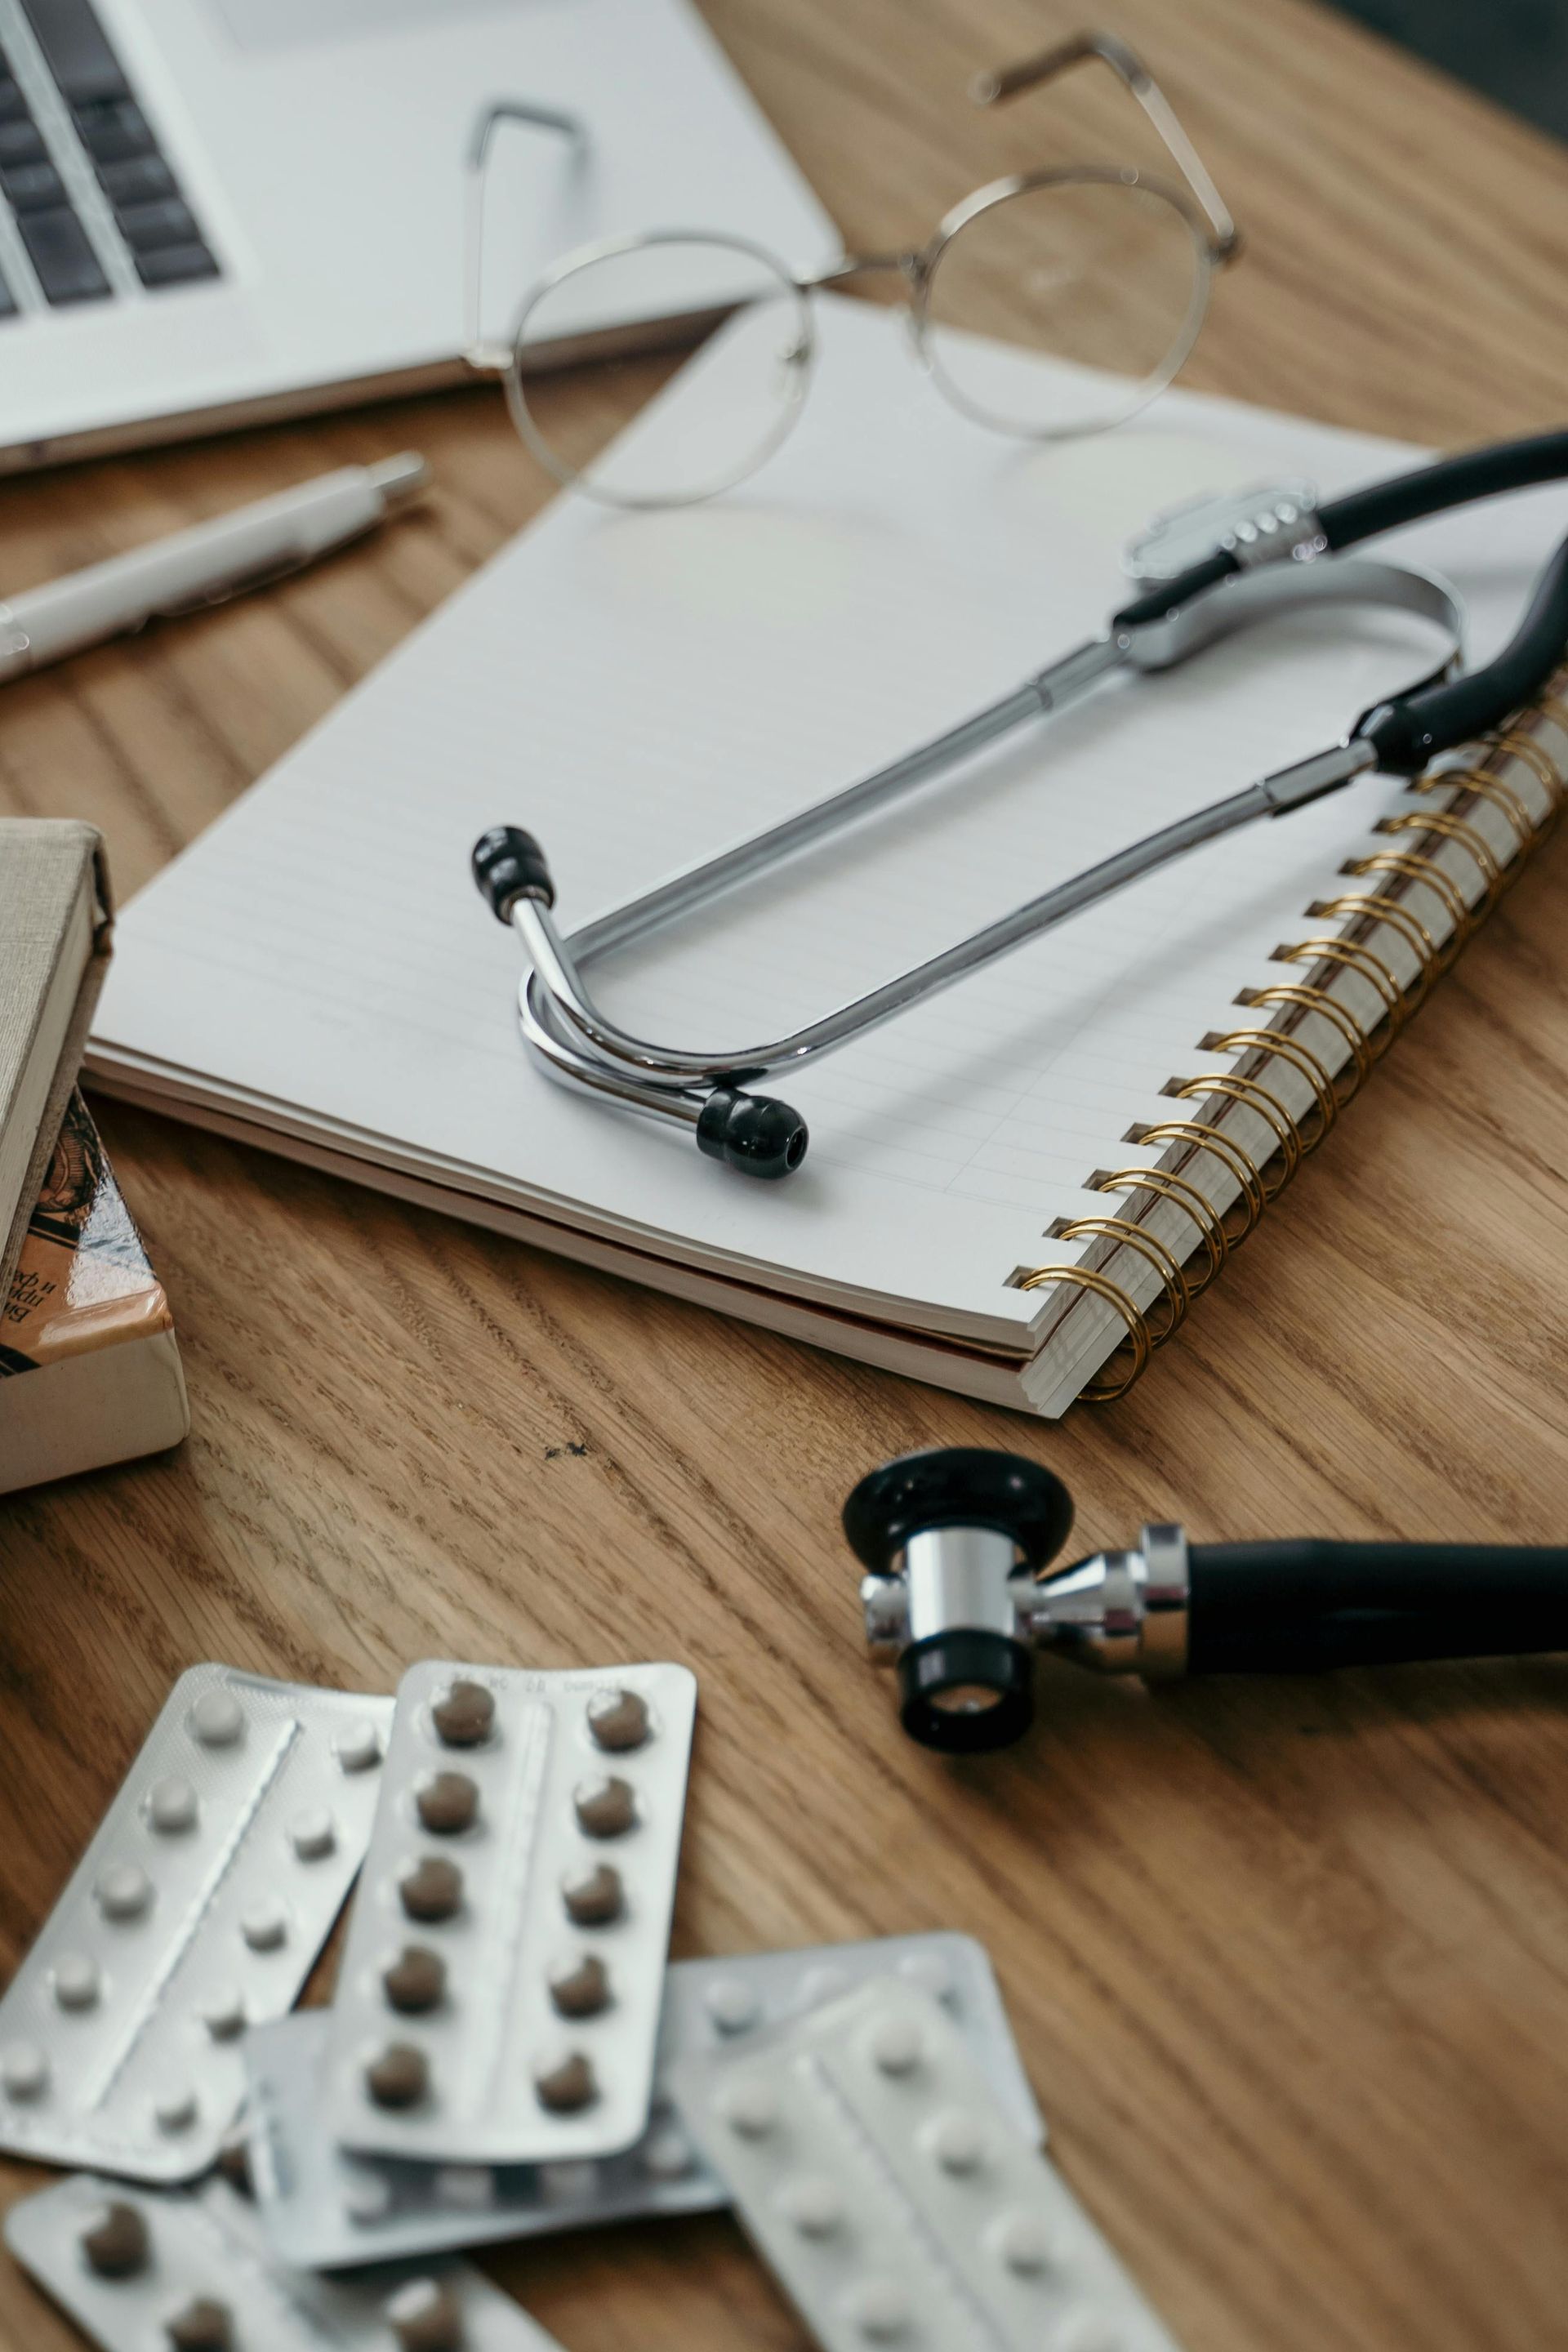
[(1287, 1960)]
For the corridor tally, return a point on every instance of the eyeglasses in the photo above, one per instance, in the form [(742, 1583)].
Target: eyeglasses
[(1103, 268)]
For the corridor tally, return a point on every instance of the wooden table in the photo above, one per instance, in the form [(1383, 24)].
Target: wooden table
[(1288, 1961)]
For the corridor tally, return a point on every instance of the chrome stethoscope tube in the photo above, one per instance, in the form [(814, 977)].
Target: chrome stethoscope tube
[(1244, 582)]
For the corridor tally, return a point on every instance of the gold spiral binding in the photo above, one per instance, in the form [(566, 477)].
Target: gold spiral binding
[(1338, 1016), (1353, 957), (1301, 1059), (1107, 1389), (1125, 1234), (1442, 885), (1213, 1239), (1450, 827), (1241, 1165), (1516, 745), (1375, 908), (1252, 1097), (1525, 829)]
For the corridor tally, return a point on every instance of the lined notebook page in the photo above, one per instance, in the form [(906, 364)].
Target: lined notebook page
[(641, 689)]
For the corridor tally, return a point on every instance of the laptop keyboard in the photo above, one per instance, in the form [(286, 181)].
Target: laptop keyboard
[(95, 208)]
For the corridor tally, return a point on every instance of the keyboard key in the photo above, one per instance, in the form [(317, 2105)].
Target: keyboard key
[(139, 182), (7, 301), (32, 187), (22, 142), (176, 265), (147, 227), (78, 49), (68, 268), (114, 130), (13, 105)]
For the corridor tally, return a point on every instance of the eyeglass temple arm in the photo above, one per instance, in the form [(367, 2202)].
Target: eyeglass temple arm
[(1012, 81), (488, 357)]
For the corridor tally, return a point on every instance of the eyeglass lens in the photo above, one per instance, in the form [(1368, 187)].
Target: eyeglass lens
[(1107, 277), (696, 439)]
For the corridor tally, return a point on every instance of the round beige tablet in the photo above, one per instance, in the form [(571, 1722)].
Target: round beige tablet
[(895, 2045), (733, 2004), (957, 2141), (78, 1981), (464, 1716), (312, 1833), (204, 2326), (432, 1889), (177, 2108), (367, 2198), (416, 1981), (581, 1987), (398, 2076), (463, 2188), (24, 2070), (123, 1892), (750, 2106), (223, 2014), (666, 2153), (606, 1808), (114, 2240), (265, 1925), (425, 2315), (172, 1807), (357, 1746), (1025, 2244), (571, 2182), (217, 1718), (448, 1803), (566, 2084), (880, 2310), (812, 2205), (617, 1719), (593, 1898)]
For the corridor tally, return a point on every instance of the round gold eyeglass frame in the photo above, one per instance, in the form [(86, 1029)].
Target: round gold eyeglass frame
[(1194, 204)]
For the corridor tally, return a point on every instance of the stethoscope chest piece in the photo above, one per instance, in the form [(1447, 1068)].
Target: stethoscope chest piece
[(947, 1538), (960, 1591)]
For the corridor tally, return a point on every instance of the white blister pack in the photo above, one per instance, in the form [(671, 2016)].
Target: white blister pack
[(144, 2270), (895, 2200), (197, 1911), (324, 2208), (500, 1996)]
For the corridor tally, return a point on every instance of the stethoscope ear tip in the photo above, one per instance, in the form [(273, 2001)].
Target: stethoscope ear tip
[(756, 1135), (507, 865)]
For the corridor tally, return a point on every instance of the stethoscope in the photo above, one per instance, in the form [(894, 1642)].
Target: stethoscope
[(1218, 568), (959, 1593)]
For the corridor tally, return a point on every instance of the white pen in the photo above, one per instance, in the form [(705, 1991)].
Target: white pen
[(205, 565)]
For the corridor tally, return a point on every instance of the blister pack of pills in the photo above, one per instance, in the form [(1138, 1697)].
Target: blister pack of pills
[(197, 1911), (895, 2200), (144, 2270), (500, 1996), (325, 2208)]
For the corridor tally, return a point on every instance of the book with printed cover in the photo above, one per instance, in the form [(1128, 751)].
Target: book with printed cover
[(89, 1367)]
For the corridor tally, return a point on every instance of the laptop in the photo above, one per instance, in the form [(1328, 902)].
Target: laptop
[(217, 212)]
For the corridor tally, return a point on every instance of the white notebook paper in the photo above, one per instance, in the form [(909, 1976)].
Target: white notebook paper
[(640, 689)]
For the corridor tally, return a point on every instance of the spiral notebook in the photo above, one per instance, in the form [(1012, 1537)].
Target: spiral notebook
[(1015, 1191)]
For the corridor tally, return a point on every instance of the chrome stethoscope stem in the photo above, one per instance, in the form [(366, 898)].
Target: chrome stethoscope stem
[(577, 1042), (554, 981)]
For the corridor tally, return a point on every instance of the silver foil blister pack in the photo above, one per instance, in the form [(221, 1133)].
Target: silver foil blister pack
[(196, 1912), (895, 2198), (500, 1996), (143, 2270), (323, 2206)]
